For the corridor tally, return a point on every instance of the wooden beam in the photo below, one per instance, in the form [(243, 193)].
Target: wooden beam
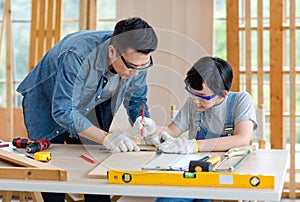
[(88, 15), (260, 53), (9, 75), (41, 29), (50, 24), (276, 76), (232, 37), (92, 14), (248, 47), (29, 168), (33, 35), (57, 26), (292, 99)]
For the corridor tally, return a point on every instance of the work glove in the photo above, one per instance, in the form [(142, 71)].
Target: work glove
[(179, 146), (157, 138), (119, 142), (149, 126)]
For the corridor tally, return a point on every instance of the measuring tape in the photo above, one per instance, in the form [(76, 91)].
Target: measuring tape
[(42, 156), (206, 179)]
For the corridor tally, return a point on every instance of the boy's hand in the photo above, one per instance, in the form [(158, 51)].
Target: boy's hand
[(157, 138), (179, 146)]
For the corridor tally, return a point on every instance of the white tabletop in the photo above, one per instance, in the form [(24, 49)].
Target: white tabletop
[(68, 157)]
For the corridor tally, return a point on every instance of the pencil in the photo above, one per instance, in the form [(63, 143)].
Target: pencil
[(87, 158), (143, 116)]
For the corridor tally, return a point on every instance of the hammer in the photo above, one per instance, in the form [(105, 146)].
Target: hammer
[(204, 165)]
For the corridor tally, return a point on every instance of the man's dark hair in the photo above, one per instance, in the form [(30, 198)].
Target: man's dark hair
[(214, 71), (134, 33)]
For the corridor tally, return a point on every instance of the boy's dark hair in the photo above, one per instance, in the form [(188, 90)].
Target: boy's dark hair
[(134, 33), (214, 71)]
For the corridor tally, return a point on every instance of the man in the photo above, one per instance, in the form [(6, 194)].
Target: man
[(90, 72)]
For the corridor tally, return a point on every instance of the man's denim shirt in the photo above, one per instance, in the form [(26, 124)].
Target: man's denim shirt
[(67, 84)]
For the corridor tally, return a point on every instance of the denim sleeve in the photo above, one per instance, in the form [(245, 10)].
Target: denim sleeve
[(136, 96), (65, 99)]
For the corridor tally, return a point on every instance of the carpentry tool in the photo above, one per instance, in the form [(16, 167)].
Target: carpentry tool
[(244, 151), (42, 156), (87, 158), (239, 151), (204, 165), (38, 156), (179, 178), (38, 145), (21, 142), (143, 125), (3, 144)]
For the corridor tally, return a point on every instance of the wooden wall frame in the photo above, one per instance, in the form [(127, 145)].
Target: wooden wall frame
[(279, 25), (45, 28)]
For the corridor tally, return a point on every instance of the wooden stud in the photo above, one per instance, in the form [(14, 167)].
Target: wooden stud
[(92, 17), (276, 76), (50, 25), (82, 15), (57, 27), (41, 30), (248, 46), (33, 35), (260, 53), (292, 99), (232, 26), (9, 75), (88, 15)]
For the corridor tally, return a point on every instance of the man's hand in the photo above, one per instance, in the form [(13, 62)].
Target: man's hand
[(157, 138), (149, 126), (118, 142), (179, 146)]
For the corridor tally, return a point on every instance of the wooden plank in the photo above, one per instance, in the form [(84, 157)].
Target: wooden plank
[(57, 27), (33, 173), (50, 24), (33, 35), (9, 74), (292, 99), (4, 17), (7, 196), (29, 168), (119, 161), (82, 15), (92, 14), (260, 54), (232, 38), (36, 196), (41, 30), (248, 47), (23, 161), (276, 76)]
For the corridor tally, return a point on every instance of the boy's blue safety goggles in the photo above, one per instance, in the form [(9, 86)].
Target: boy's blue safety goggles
[(188, 89)]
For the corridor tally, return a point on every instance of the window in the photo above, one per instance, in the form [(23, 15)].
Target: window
[(21, 24), (106, 14)]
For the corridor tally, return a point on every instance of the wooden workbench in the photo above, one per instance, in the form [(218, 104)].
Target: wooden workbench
[(68, 157)]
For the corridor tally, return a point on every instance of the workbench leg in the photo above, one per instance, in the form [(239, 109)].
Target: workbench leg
[(115, 198), (7, 195), (23, 196), (36, 197)]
